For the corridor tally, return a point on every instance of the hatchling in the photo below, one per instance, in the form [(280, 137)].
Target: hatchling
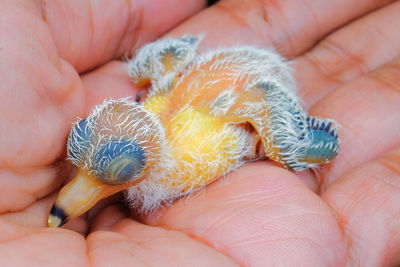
[(202, 117)]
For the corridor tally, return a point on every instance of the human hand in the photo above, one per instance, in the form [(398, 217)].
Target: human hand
[(260, 214)]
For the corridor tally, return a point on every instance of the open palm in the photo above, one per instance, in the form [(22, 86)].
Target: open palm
[(59, 58)]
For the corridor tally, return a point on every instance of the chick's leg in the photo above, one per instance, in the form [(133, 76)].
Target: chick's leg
[(289, 136), (159, 63)]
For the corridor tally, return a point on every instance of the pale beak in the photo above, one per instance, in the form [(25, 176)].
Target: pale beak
[(78, 196)]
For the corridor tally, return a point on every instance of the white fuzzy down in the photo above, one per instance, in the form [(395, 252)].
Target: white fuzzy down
[(253, 68), (148, 61)]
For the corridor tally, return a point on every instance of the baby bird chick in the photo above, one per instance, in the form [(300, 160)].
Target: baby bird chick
[(203, 116)]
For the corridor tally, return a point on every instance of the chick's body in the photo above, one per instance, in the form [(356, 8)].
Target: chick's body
[(203, 116), (206, 141), (202, 146)]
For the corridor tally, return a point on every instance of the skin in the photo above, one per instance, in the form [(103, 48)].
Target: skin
[(59, 58)]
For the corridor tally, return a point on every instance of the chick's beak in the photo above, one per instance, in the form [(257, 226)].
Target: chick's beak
[(78, 196)]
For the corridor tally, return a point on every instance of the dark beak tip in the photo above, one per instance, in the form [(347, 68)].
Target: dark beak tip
[(57, 217)]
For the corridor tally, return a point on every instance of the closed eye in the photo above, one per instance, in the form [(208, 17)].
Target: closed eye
[(119, 161)]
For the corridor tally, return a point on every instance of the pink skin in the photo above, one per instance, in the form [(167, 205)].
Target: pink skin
[(347, 215)]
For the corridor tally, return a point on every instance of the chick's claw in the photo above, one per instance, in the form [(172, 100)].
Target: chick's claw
[(203, 116)]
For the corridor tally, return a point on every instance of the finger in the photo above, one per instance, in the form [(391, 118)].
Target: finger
[(105, 219), (19, 190), (40, 246), (40, 94), (260, 213), (348, 53), (36, 215), (368, 111), (134, 244), (86, 36), (109, 81), (366, 202), (291, 26)]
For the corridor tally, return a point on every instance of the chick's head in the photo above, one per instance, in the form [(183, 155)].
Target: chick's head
[(116, 147)]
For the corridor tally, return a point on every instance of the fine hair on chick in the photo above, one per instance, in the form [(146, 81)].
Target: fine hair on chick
[(203, 116)]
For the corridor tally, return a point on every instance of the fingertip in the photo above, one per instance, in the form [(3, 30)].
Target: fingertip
[(109, 81), (78, 225), (108, 217)]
